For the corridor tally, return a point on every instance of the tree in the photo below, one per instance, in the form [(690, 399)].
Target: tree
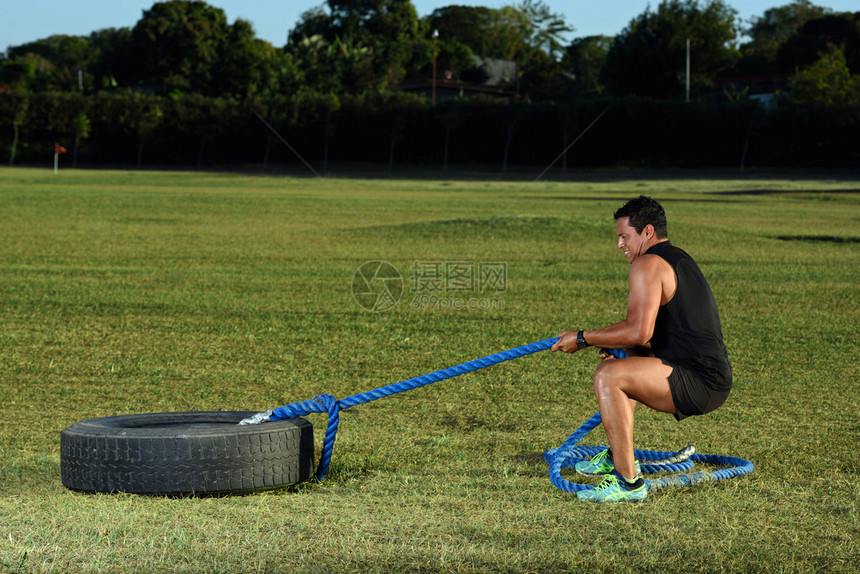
[(814, 37), (147, 117), (247, 66), (521, 33), (648, 57), (18, 75), (359, 45), (506, 39), (18, 119), (584, 60), (81, 127), (338, 67), (527, 34), (187, 46), (466, 25), (313, 55), (543, 79), (546, 30), (458, 43), (177, 44), (452, 118), (513, 115), (113, 62), (825, 82), (327, 62), (769, 32), (62, 58), (394, 32)]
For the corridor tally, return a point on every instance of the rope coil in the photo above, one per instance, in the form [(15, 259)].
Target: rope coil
[(564, 456)]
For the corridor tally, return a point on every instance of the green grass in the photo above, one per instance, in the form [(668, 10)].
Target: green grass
[(127, 292)]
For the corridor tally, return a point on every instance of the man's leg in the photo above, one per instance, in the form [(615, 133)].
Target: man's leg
[(619, 384)]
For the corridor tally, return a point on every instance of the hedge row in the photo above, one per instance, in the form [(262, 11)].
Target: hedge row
[(403, 130)]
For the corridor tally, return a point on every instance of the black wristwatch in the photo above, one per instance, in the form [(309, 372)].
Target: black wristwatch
[(580, 341)]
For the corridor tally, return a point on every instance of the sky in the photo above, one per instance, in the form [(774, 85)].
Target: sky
[(30, 20)]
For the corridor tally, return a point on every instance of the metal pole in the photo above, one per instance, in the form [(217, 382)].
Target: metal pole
[(688, 69), (435, 35)]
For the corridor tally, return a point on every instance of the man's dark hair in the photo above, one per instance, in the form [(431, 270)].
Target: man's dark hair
[(643, 211)]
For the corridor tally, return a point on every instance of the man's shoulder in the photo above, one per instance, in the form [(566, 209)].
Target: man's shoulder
[(650, 269), (668, 250), (649, 262)]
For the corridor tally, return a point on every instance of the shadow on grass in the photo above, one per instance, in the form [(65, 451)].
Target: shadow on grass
[(531, 464), (532, 458), (819, 238), (624, 195), (783, 191), (529, 174)]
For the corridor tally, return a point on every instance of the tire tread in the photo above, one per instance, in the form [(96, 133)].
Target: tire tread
[(125, 454)]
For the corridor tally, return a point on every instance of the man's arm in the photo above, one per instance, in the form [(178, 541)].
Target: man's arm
[(648, 274)]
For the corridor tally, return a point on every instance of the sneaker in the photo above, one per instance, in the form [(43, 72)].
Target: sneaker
[(613, 488), (600, 464)]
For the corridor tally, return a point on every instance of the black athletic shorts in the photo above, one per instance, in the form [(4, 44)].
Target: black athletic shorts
[(690, 395)]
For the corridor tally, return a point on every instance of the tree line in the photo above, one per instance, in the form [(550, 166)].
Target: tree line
[(183, 69)]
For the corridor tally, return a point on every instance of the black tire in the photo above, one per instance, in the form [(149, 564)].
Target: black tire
[(193, 453)]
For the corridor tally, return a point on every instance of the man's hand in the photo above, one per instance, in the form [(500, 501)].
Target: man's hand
[(605, 355), (567, 342)]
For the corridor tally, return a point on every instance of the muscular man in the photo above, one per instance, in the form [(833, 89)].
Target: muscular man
[(678, 361)]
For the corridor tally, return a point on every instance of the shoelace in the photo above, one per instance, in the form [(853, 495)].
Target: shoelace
[(608, 482), (601, 456)]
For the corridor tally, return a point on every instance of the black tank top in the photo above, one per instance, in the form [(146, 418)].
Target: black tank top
[(687, 331)]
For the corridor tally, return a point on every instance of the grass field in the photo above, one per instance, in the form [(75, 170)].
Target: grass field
[(128, 292)]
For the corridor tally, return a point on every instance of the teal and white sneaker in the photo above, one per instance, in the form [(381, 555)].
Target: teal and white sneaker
[(600, 464), (614, 488)]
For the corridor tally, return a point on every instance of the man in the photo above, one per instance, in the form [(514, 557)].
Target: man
[(678, 362)]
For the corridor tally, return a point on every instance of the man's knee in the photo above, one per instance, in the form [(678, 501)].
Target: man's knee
[(606, 375)]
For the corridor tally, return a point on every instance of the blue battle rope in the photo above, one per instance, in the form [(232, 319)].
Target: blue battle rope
[(562, 457)]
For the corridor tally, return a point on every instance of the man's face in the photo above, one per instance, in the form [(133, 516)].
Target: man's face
[(629, 240)]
